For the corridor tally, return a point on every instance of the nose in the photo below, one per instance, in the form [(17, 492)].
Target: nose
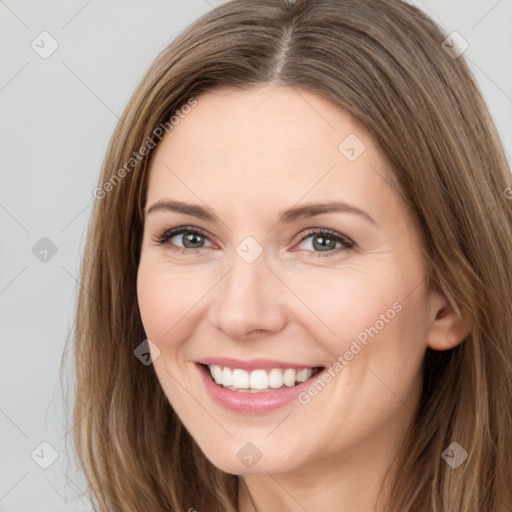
[(249, 301)]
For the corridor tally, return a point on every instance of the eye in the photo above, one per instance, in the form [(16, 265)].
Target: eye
[(317, 242), (325, 242), (183, 238)]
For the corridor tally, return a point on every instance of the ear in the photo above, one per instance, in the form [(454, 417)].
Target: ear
[(449, 326)]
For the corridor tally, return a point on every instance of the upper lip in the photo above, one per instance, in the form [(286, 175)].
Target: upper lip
[(253, 364)]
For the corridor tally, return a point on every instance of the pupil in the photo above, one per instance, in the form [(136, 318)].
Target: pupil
[(192, 240), (325, 243)]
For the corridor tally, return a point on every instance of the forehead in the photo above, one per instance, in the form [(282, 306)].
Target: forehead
[(274, 144)]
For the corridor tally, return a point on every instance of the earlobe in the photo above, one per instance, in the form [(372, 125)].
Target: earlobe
[(449, 328)]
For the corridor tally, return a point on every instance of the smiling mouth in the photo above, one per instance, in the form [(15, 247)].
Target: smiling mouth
[(259, 381)]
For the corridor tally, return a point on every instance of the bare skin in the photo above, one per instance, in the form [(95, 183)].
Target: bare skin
[(249, 156)]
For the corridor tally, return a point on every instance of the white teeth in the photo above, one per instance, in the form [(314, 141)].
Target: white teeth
[(237, 379), (240, 379), (303, 375), (258, 379), (289, 377), (275, 378), (227, 377), (216, 372)]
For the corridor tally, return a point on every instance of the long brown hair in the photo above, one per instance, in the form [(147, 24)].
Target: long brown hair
[(382, 61)]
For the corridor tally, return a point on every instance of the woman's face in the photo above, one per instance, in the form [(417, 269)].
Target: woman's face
[(291, 258)]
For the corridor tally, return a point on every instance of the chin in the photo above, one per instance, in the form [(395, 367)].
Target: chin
[(246, 458)]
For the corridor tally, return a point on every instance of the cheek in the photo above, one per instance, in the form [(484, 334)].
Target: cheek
[(165, 297), (371, 319), (345, 302)]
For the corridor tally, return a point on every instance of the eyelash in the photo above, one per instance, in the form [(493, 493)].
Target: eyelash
[(346, 243)]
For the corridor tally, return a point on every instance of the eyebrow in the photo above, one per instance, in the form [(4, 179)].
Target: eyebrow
[(288, 216)]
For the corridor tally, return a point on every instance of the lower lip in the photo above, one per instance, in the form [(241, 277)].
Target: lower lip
[(252, 403)]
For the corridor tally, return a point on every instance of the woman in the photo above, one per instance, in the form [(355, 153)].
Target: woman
[(297, 281)]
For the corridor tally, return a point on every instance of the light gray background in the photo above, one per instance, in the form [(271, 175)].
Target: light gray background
[(57, 117)]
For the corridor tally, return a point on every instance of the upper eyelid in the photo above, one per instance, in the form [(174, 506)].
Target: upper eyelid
[(179, 230)]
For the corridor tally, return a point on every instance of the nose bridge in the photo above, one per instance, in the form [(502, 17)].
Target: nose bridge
[(247, 300)]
